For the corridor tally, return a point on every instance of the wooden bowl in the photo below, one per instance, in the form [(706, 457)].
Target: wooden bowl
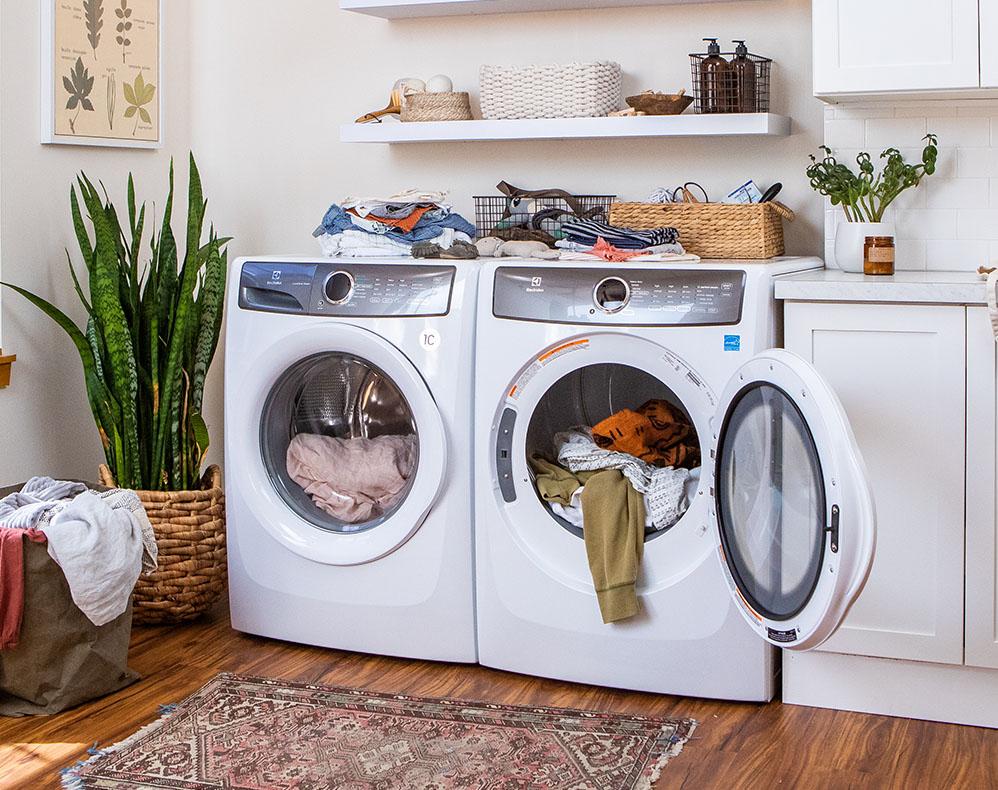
[(651, 103)]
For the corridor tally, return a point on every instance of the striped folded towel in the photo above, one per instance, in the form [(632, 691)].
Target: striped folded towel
[(587, 231)]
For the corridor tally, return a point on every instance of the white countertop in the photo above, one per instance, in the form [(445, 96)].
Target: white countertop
[(924, 287)]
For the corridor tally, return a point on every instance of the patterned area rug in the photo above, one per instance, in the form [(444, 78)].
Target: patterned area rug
[(242, 732)]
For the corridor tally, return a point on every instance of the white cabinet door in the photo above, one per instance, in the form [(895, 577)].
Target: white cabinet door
[(899, 371), (895, 45), (989, 54), (982, 519)]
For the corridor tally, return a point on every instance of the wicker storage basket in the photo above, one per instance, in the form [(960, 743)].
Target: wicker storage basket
[(190, 535), (576, 90), (436, 107), (713, 230)]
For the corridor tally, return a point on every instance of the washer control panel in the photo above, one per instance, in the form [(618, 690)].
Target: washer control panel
[(338, 288), (631, 297)]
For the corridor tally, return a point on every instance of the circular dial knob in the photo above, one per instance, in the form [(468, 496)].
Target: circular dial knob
[(612, 294), (339, 287)]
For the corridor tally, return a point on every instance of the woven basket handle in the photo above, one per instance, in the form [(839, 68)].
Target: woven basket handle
[(106, 478), (783, 211)]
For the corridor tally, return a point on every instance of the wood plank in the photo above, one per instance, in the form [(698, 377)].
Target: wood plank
[(739, 745)]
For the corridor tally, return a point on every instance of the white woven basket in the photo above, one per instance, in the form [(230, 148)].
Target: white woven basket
[(575, 90)]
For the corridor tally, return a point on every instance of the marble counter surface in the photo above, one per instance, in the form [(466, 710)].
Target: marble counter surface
[(921, 287)]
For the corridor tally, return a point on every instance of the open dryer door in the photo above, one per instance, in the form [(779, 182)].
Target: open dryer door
[(794, 512)]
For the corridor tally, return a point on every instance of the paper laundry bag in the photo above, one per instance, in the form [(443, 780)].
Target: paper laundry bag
[(62, 659)]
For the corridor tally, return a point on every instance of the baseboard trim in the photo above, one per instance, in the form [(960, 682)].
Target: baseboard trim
[(908, 689)]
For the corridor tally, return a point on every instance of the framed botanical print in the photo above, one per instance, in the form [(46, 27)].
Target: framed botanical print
[(102, 75)]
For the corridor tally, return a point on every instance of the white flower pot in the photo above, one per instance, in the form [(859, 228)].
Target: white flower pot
[(850, 238)]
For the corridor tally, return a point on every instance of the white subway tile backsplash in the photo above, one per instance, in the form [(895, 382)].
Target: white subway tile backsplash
[(884, 133), (956, 255), (909, 254), (960, 132), (950, 221), (955, 192), (927, 224), (976, 162), (845, 133), (875, 111), (980, 224)]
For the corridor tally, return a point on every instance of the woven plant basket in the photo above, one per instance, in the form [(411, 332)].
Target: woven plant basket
[(190, 535), (713, 230), (436, 107), (576, 90)]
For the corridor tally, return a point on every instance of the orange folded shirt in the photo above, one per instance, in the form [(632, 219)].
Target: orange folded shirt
[(657, 432), (405, 223)]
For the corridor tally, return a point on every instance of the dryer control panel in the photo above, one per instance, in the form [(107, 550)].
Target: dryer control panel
[(619, 296), (346, 288)]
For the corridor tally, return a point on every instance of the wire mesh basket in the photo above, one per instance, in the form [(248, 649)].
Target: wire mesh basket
[(502, 216), (731, 89)]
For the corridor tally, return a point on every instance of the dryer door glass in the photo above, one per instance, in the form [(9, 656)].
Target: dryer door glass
[(771, 502), (339, 442), (795, 516)]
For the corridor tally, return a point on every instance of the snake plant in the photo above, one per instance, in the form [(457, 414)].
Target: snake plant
[(152, 330)]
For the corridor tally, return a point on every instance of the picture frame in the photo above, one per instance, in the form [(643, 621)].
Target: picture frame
[(102, 76)]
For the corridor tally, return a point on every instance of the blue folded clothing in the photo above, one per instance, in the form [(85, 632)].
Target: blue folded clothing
[(429, 227)]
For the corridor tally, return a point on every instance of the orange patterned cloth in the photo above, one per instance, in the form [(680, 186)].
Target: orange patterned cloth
[(657, 432), (404, 223)]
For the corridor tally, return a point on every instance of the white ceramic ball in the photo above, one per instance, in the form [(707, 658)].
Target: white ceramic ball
[(410, 85), (440, 83)]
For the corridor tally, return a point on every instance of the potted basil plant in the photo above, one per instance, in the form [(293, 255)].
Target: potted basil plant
[(865, 195), (152, 330)]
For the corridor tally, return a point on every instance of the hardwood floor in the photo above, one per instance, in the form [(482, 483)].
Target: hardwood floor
[(735, 746)]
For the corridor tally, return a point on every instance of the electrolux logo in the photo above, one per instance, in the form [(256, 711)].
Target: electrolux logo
[(536, 285)]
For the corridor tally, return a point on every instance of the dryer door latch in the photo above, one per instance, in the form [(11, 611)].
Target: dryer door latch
[(833, 529)]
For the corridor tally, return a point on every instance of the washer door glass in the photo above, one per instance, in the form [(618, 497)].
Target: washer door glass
[(339, 442), (771, 502)]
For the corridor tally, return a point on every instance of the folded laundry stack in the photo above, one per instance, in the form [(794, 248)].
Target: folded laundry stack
[(634, 473), (376, 227), (587, 239)]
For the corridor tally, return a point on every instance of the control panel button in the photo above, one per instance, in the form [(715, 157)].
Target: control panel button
[(612, 294), (339, 287)]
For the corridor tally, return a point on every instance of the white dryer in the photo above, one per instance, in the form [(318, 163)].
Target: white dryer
[(363, 370), (778, 538)]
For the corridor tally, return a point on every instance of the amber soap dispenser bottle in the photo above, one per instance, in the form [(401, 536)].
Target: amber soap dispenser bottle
[(745, 79), (716, 82)]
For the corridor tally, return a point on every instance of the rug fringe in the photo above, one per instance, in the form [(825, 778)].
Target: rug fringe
[(678, 742), (71, 779)]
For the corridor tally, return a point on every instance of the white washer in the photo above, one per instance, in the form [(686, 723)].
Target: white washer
[(352, 350), (776, 558)]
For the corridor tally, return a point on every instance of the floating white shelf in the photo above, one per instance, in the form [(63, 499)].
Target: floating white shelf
[(408, 9), (689, 125)]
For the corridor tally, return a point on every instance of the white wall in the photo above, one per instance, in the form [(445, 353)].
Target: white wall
[(45, 423), (262, 97), (275, 80), (950, 221)]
